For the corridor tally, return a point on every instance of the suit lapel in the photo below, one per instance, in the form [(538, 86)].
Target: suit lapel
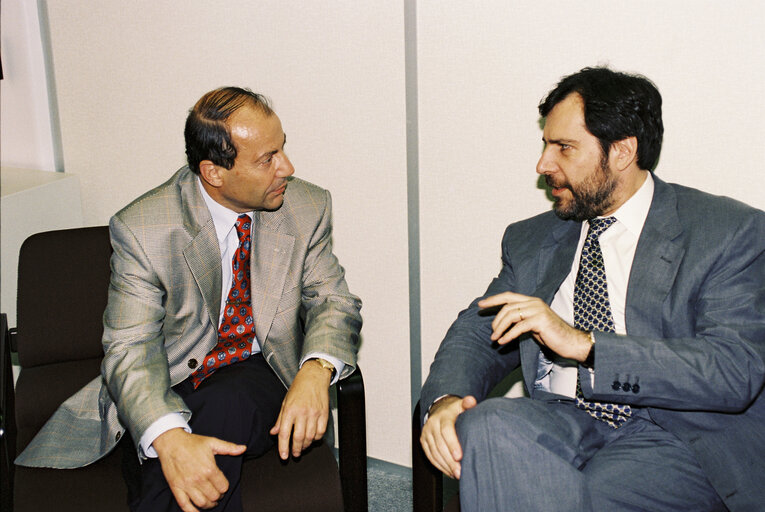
[(269, 265), (556, 255), (203, 253), (657, 259)]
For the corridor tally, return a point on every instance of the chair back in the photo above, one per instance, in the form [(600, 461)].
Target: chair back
[(62, 289)]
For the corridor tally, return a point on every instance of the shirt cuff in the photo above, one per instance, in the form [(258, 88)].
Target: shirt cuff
[(159, 427), (338, 364), (427, 413)]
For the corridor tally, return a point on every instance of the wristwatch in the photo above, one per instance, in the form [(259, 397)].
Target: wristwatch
[(589, 362), (326, 364)]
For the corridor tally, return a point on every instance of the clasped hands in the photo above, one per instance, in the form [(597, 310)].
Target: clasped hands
[(188, 460), (518, 314)]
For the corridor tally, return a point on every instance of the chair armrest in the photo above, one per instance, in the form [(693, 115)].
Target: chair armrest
[(427, 481), (352, 441), (7, 417)]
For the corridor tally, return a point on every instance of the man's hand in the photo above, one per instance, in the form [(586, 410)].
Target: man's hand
[(530, 314), (439, 437), (305, 410), (189, 467)]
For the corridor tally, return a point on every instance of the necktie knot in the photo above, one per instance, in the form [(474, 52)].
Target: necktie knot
[(242, 226), (599, 225)]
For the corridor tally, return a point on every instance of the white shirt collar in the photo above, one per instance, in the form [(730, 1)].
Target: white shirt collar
[(223, 218), (633, 212)]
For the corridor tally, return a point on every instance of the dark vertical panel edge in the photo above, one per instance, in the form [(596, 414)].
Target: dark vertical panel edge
[(50, 78), (413, 195)]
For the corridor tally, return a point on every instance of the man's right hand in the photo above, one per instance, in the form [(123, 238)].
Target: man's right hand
[(439, 436), (188, 463)]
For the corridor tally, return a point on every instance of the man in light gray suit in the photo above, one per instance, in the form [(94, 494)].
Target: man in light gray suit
[(174, 268), (637, 313)]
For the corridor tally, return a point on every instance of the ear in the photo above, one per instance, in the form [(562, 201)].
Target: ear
[(623, 153), (211, 173)]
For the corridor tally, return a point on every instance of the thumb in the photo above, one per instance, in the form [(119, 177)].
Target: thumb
[(221, 447), (469, 402)]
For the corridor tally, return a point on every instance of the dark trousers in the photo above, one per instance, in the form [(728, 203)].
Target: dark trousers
[(238, 403)]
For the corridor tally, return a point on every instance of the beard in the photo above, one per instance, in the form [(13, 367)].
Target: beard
[(591, 198)]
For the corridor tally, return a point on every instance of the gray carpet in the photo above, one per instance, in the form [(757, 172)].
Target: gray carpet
[(390, 487)]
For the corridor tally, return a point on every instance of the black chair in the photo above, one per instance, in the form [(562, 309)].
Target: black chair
[(427, 481), (58, 341)]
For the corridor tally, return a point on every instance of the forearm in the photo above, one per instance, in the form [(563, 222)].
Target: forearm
[(679, 373), (135, 365), (332, 312)]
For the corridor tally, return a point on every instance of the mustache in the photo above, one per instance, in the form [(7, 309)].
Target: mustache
[(553, 184)]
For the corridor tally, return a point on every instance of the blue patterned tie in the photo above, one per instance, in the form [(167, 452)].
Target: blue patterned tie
[(592, 312)]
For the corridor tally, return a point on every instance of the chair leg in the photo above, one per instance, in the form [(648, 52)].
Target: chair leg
[(352, 440), (427, 481), (7, 418)]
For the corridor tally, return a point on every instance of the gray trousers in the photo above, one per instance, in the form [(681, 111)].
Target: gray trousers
[(546, 455)]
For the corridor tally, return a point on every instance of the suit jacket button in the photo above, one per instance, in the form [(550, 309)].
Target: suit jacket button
[(626, 386), (636, 388), (118, 436), (616, 385), (193, 363)]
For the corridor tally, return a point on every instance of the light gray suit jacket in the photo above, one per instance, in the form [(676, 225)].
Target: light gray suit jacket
[(695, 342), (164, 304)]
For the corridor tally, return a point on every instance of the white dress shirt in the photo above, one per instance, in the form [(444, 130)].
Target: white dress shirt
[(618, 244), (228, 241)]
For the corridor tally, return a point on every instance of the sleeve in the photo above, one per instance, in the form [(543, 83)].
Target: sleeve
[(467, 362), (332, 318), (720, 364), (135, 365)]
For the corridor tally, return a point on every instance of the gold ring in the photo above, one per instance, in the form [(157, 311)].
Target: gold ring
[(520, 314)]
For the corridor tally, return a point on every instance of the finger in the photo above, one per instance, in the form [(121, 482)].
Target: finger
[(521, 318), (199, 499), (469, 402), (183, 501), (502, 321), (310, 432), (451, 442), (221, 447), (219, 482), (209, 494), (285, 429), (446, 454), (275, 429), (435, 456), (321, 426), (496, 300), (517, 329), (298, 436)]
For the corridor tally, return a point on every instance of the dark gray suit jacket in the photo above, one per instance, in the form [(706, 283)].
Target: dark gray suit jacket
[(695, 342)]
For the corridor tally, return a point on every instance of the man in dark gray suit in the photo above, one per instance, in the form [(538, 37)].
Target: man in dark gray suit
[(637, 313)]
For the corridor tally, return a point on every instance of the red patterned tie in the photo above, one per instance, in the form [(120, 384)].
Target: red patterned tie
[(237, 329)]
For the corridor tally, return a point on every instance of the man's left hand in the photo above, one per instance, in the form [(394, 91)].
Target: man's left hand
[(305, 410), (520, 314)]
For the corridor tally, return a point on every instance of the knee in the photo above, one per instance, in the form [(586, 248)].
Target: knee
[(478, 423)]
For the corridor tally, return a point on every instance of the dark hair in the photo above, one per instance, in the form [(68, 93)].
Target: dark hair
[(616, 106), (207, 134)]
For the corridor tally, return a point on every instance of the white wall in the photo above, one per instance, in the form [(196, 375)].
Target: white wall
[(25, 125), (484, 67)]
